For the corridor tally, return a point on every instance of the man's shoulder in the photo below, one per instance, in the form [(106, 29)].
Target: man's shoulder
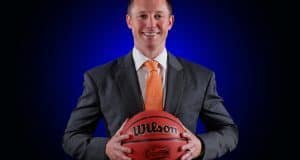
[(106, 68), (194, 67)]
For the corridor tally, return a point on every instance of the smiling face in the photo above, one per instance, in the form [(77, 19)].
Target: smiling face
[(150, 21)]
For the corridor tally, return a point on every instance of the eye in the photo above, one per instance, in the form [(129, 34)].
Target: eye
[(158, 16), (143, 16)]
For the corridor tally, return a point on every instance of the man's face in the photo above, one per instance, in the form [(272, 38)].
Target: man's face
[(150, 21)]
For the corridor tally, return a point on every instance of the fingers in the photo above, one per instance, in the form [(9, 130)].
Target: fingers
[(188, 146), (187, 156), (193, 147), (120, 129), (123, 157), (125, 149), (122, 149), (187, 135), (119, 138), (114, 148)]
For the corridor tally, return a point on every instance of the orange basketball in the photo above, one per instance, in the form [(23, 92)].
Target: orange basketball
[(154, 135)]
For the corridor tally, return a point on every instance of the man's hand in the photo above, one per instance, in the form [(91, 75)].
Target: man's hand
[(114, 149), (193, 147)]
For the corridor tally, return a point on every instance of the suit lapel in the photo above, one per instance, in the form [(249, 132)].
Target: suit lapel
[(175, 85), (126, 78)]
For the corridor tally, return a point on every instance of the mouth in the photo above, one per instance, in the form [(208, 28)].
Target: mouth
[(150, 34)]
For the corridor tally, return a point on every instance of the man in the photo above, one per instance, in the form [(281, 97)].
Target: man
[(118, 90)]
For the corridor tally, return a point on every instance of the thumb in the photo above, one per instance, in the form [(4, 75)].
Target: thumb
[(185, 129), (122, 126), (181, 124)]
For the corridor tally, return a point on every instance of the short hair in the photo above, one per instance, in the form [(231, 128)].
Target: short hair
[(169, 3)]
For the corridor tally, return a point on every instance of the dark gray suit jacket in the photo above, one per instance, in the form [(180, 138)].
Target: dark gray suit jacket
[(112, 92)]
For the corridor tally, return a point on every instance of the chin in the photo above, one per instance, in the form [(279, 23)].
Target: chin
[(151, 45), (152, 42)]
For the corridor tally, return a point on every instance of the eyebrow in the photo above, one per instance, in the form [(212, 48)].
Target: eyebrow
[(141, 12)]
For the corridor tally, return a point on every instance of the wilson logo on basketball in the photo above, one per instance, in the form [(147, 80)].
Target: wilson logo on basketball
[(153, 128)]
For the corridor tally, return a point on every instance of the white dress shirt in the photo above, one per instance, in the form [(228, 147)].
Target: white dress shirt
[(142, 71)]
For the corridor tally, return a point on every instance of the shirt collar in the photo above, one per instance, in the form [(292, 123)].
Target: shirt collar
[(139, 58)]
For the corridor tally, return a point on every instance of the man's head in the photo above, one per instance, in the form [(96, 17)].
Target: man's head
[(150, 21), (169, 3)]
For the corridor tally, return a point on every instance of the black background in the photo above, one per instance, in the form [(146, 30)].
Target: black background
[(37, 139)]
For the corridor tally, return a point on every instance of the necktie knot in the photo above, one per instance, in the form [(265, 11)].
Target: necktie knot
[(151, 65)]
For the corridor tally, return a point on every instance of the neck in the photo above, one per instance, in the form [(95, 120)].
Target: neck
[(150, 52)]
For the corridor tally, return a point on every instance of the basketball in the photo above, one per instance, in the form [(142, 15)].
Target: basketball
[(154, 135)]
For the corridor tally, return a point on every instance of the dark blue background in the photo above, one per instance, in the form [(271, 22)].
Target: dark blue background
[(57, 41)]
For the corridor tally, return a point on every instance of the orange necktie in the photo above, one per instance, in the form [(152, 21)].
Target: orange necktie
[(154, 92)]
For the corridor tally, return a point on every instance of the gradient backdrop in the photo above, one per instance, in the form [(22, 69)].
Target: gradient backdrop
[(59, 40)]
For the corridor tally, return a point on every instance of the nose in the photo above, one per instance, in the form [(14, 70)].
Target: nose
[(151, 22)]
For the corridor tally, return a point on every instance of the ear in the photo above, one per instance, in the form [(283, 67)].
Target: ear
[(129, 21), (171, 21)]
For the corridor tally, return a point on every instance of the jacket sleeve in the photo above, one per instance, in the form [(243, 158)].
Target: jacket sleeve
[(78, 140), (222, 133)]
